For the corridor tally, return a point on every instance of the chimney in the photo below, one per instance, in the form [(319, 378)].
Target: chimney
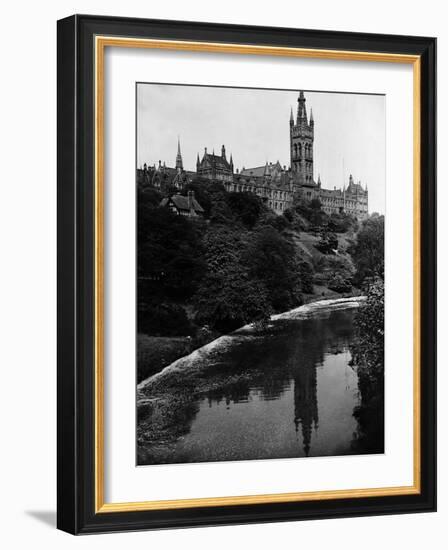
[(190, 201)]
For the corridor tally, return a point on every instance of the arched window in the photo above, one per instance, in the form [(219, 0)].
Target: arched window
[(300, 150), (295, 150)]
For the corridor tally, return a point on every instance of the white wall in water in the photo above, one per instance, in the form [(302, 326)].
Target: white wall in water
[(28, 273)]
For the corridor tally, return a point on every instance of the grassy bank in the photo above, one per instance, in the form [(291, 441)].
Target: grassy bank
[(154, 353)]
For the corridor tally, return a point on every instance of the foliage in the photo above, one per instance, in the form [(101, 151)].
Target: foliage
[(335, 271), (311, 211), (246, 207), (368, 357), (269, 218), (272, 260), (368, 251), (328, 242), (147, 196), (206, 193), (306, 272), (163, 319), (338, 283), (227, 297), (368, 352), (169, 254), (342, 222), (221, 214)]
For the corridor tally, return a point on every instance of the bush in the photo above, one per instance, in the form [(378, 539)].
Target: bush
[(328, 242), (246, 207), (306, 271), (368, 357), (335, 271), (368, 251), (337, 283), (368, 352), (163, 319)]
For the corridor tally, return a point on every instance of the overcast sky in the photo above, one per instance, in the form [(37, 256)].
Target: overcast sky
[(349, 130)]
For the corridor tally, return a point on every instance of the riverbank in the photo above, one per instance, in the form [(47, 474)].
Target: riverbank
[(154, 353), (302, 312)]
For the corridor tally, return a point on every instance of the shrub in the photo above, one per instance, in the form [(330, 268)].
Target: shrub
[(163, 319), (328, 242)]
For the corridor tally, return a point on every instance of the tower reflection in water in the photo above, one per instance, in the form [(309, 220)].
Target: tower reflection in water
[(286, 392)]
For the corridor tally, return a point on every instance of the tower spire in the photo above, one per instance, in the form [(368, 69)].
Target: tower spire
[(301, 111), (291, 119), (179, 163)]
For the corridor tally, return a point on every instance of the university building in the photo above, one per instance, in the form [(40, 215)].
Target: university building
[(275, 184)]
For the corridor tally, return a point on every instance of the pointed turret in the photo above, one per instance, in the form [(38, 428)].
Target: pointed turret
[(319, 183), (179, 163), (301, 111), (311, 119), (223, 152), (291, 119), (198, 163), (231, 162)]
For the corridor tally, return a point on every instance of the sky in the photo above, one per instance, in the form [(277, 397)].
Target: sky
[(253, 124)]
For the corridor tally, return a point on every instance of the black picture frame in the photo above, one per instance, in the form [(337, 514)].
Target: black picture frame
[(76, 286)]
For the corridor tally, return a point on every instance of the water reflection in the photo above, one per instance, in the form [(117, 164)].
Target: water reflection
[(285, 392)]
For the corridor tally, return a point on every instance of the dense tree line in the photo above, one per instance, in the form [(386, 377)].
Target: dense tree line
[(237, 266), (240, 263)]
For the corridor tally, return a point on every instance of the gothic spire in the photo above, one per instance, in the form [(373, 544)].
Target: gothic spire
[(301, 111), (311, 118), (179, 163), (291, 118)]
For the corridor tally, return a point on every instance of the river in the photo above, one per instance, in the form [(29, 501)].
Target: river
[(287, 390)]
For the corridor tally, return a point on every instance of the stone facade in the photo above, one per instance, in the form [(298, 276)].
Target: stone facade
[(276, 185)]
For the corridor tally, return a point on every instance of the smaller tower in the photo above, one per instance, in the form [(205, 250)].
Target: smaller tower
[(223, 152), (179, 163)]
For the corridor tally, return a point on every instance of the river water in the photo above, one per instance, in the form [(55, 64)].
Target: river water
[(285, 391)]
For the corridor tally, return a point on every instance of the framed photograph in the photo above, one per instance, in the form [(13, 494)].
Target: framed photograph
[(246, 274)]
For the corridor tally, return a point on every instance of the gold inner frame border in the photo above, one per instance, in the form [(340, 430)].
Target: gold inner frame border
[(100, 44)]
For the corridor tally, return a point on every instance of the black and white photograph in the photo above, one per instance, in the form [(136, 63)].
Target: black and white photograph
[(260, 273)]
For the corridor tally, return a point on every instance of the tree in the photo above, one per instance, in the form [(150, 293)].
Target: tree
[(206, 192), (227, 297), (311, 211), (368, 357), (328, 242), (368, 353), (306, 272), (368, 251), (272, 260), (342, 222), (170, 260), (246, 207)]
